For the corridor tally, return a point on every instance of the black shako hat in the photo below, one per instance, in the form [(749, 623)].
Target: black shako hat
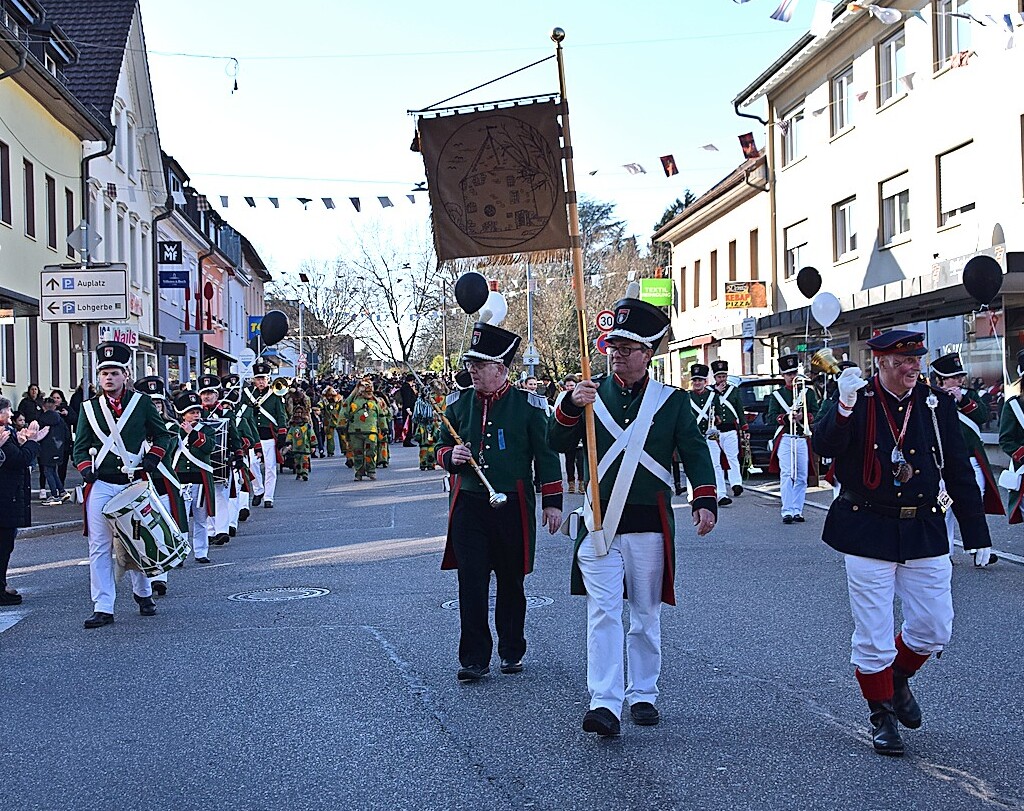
[(492, 343), (261, 369), (231, 381), (719, 366), (186, 401), (699, 371), (113, 354), (153, 386), (208, 383), (636, 320), (789, 363), (948, 365)]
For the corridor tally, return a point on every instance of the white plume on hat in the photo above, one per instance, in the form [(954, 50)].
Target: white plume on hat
[(633, 290)]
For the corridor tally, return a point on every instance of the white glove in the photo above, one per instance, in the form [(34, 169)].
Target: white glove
[(983, 556), (850, 382)]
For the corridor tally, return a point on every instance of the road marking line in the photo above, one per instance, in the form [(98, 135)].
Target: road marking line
[(8, 619)]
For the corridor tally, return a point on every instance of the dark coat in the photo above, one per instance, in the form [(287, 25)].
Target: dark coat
[(31, 409), (55, 444), (408, 397), (16, 482)]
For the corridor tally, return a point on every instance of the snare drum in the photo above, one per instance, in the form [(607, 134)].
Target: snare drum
[(149, 539), (220, 459)]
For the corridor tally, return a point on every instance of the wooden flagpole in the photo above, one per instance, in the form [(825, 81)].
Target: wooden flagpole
[(596, 534)]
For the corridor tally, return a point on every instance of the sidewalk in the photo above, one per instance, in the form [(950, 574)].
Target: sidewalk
[(1005, 539), (51, 520)]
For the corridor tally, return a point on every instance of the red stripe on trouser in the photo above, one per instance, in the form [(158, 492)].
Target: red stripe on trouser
[(907, 661), (876, 686)]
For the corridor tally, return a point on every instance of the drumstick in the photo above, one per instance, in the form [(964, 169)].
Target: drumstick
[(92, 453)]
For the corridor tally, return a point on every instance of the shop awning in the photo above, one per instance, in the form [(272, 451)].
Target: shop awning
[(23, 306), (217, 352)]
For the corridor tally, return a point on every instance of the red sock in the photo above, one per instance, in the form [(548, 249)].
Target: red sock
[(876, 686), (907, 661)]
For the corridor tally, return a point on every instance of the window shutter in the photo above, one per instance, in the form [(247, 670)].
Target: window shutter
[(956, 179), (797, 234), (895, 185)]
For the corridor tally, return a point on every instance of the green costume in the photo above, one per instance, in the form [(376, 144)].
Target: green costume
[(268, 412), (334, 422), (383, 422), (364, 414), (1011, 440), (713, 415), (673, 429)]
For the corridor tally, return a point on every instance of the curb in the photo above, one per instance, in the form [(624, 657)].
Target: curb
[(41, 530), (1008, 556)]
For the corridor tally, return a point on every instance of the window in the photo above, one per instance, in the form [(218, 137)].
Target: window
[(732, 261), (842, 100), (145, 257), (844, 232), (892, 64), (133, 255), (50, 65), (130, 147), (69, 218), (952, 34), (696, 283), (895, 197), (956, 183), (122, 237), (714, 275), (51, 213), (109, 235), (5, 183), (10, 372), (795, 243), (754, 269), (118, 136), (791, 127), (29, 172), (682, 288)]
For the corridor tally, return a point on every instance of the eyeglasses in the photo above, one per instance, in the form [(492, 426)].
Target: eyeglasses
[(477, 365), (625, 351)]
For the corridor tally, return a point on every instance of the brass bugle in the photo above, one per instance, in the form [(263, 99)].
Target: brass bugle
[(824, 361)]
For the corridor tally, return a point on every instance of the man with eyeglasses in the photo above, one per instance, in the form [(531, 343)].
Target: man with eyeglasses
[(901, 460), (505, 431), (640, 423)]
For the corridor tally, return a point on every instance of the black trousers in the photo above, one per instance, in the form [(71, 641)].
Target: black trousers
[(484, 542), (6, 548)]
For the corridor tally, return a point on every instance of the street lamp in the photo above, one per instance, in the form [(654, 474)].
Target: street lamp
[(302, 357)]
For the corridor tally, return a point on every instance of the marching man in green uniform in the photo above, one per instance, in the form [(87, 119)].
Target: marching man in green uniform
[(363, 412), (730, 427), (640, 423), (248, 438), (791, 456), (709, 412), (971, 412), (506, 432), (196, 442), (1011, 440), (109, 453), (217, 413), (271, 425)]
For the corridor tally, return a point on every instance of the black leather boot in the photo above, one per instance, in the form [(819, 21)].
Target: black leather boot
[(903, 701), (147, 606), (885, 733)]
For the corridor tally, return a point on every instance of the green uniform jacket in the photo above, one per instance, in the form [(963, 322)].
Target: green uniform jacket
[(715, 415), (1011, 440), (513, 441), (268, 412), (332, 413), (732, 418), (972, 414), (777, 415), (674, 429), (200, 444)]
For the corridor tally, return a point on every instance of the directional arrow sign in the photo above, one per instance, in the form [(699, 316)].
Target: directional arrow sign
[(96, 293)]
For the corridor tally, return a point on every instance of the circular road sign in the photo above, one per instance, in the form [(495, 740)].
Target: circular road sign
[(602, 343), (605, 320)]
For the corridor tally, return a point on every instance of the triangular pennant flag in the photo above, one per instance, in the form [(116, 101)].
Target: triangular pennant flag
[(202, 204), (748, 146), (862, 95), (668, 163), (112, 191), (784, 13), (886, 16), (223, 201), (275, 202), (784, 126), (821, 22), (908, 81), (385, 202), (412, 198), (305, 202), (250, 201), (819, 111), (634, 168), (917, 14), (356, 204), (328, 203), (709, 148), (592, 173)]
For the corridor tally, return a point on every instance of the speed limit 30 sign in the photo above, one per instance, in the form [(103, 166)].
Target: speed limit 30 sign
[(605, 320)]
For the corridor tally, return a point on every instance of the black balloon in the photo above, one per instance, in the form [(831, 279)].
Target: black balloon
[(808, 281), (273, 327), (471, 291), (983, 277)]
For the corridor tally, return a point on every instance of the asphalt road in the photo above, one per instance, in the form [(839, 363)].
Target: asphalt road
[(349, 700)]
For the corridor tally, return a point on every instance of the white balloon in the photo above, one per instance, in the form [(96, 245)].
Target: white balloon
[(497, 306), (825, 308)]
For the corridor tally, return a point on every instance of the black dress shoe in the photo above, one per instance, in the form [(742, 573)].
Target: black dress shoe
[(243, 514), (644, 713), (885, 733), (98, 620), (147, 605), (215, 540), (232, 532), (907, 710), (473, 672), (159, 588), (737, 489), (725, 501), (268, 504), (798, 518), (509, 666), (787, 519), (602, 721), (256, 500), (6, 598), (202, 560)]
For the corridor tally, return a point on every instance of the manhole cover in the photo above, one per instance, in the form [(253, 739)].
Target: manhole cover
[(278, 595), (532, 601)]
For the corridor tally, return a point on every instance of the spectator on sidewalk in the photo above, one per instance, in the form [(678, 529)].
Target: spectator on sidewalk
[(70, 417), (51, 453), (31, 405)]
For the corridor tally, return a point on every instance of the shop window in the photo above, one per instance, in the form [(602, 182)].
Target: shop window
[(952, 34), (895, 198), (956, 183), (844, 231), (842, 100), (795, 244), (791, 126), (892, 64)]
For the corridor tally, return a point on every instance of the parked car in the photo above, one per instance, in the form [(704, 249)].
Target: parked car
[(754, 394)]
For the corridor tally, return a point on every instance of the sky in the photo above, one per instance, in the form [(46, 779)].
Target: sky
[(324, 87)]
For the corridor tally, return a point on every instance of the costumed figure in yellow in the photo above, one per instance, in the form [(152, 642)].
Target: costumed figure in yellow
[(427, 426), (383, 423), (301, 440), (363, 412)]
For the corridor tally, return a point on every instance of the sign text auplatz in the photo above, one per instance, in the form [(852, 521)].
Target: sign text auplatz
[(98, 293)]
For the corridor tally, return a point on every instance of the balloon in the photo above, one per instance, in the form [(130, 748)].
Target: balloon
[(496, 308), (983, 277), (273, 327), (808, 281), (471, 291), (825, 308)]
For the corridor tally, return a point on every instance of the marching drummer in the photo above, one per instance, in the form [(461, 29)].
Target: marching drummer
[(242, 480), (109, 453), (196, 443), (226, 455), (272, 425)]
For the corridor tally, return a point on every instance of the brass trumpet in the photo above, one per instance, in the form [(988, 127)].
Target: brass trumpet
[(280, 386), (824, 361)]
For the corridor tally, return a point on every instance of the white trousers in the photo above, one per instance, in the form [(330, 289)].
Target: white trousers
[(979, 477), (269, 468), (198, 528), (731, 445), (218, 524), (257, 473), (793, 481), (923, 586), (638, 559), (238, 502), (103, 569), (716, 463), (166, 501)]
